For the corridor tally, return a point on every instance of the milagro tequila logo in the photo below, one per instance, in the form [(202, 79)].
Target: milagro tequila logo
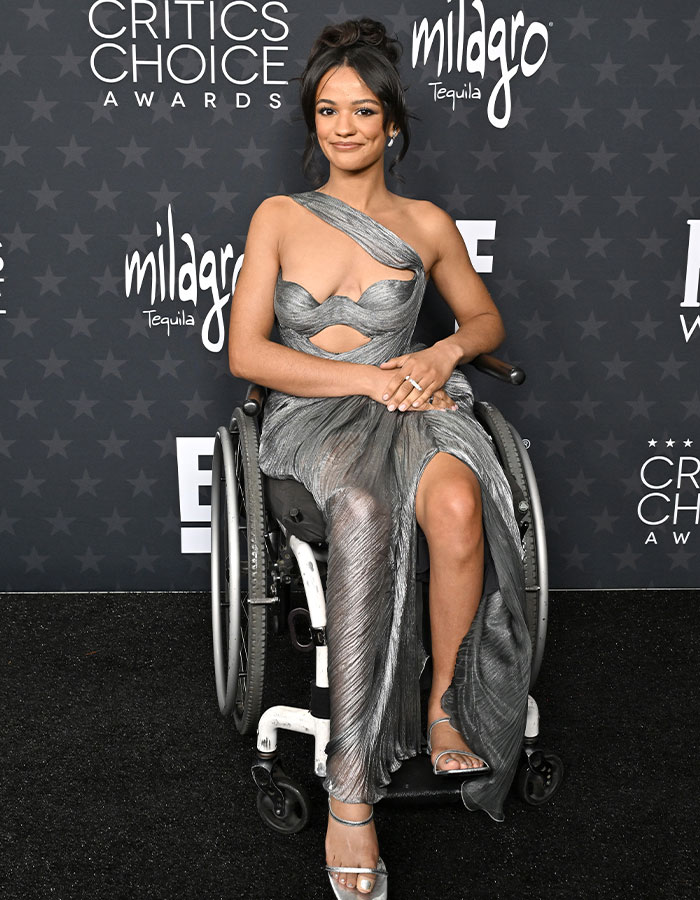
[(692, 277), (179, 279), (505, 43)]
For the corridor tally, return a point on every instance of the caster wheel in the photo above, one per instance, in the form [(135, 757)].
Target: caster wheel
[(297, 807), (539, 777)]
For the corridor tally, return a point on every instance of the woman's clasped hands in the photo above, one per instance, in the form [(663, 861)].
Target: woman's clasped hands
[(429, 369)]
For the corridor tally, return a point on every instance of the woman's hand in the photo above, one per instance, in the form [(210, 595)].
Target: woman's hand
[(440, 398), (430, 367)]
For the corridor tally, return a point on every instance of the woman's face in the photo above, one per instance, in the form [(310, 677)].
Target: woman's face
[(349, 120)]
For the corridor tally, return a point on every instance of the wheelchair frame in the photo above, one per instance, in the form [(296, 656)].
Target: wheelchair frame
[(246, 585)]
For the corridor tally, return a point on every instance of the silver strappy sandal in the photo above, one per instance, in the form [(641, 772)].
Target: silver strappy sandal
[(379, 891), (474, 770)]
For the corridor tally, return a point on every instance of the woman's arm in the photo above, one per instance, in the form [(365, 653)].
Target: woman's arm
[(252, 355), (480, 325)]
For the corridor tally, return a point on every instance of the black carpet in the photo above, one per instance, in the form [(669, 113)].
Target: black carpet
[(120, 779)]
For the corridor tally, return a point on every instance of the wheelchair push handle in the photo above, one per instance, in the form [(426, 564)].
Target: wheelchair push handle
[(497, 368), (254, 399)]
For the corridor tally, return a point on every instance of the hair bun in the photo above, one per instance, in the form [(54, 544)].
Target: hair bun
[(359, 31)]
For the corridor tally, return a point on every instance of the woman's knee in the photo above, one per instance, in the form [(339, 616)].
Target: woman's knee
[(453, 508), (359, 508)]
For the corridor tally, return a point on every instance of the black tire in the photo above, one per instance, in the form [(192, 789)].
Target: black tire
[(225, 590), (240, 570), (297, 807), (254, 572), (528, 512), (538, 777)]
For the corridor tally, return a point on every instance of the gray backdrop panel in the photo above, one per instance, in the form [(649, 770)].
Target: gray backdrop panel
[(590, 185)]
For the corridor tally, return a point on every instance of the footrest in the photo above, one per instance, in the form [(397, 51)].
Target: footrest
[(415, 783)]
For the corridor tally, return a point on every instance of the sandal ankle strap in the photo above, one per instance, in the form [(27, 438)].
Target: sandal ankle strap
[(430, 729), (348, 821)]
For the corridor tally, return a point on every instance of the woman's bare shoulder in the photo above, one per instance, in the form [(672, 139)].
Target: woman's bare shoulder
[(429, 213), (425, 217), (271, 221), (428, 225), (273, 207)]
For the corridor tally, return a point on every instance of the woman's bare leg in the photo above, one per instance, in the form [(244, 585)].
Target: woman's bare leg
[(448, 509), (352, 845)]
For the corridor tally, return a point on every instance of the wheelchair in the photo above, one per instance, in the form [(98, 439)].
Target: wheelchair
[(268, 562)]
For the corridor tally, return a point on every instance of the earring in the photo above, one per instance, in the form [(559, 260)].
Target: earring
[(392, 138)]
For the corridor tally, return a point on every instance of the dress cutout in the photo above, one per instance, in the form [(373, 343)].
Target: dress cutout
[(362, 464)]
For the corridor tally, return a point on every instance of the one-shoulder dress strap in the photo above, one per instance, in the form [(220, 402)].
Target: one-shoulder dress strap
[(378, 240)]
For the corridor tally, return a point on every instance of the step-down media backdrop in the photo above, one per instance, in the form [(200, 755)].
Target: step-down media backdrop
[(138, 138)]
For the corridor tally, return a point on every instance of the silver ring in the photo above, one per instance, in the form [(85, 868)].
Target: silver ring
[(414, 383)]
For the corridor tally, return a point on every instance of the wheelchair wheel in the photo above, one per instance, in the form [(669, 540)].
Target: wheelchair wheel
[(296, 808), (528, 511), (538, 777), (239, 573)]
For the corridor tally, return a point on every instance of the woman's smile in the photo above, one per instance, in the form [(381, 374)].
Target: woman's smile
[(349, 118)]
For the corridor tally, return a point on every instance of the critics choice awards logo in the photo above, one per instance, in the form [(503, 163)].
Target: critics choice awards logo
[(670, 480), (185, 43)]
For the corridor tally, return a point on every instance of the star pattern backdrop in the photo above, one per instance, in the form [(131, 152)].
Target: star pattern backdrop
[(590, 184)]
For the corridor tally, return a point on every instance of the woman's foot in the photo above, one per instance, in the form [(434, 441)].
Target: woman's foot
[(445, 737), (352, 845)]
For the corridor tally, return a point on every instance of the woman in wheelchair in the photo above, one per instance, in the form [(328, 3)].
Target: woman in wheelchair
[(381, 430)]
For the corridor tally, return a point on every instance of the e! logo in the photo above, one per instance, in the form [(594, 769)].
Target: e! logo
[(473, 231), (692, 276), (194, 481)]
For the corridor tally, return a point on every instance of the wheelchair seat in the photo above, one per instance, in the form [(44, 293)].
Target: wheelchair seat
[(294, 507)]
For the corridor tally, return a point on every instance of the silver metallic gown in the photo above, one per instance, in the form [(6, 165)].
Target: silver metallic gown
[(362, 463)]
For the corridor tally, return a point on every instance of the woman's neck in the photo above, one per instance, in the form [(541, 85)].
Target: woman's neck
[(362, 190)]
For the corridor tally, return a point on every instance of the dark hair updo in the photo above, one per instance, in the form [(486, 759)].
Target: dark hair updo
[(363, 45)]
